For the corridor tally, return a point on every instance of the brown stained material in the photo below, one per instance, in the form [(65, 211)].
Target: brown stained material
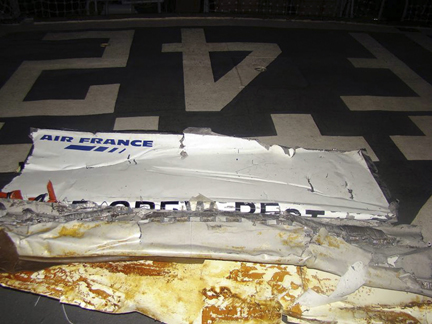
[(386, 316), (277, 285), (328, 240), (155, 268), (76, 230), (420, 305), (319, 240), (295, 311), (52, 282), (238, 248), (236, 308), (213, 293), (320, 287), (384, 313), (245, 273), (312, 281), (279, 289), (23, 276), (59, 282), (117, 287), (292, 239), (294, 286), (302, 273), (318, 290), (209, 292), (333, 242), (248, 273), (280, 275), (307, 281)]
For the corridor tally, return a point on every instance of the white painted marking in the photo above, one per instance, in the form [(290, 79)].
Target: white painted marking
[(136, 123), (417, 147), (11, 155), (421, 39), (298, 130), (202, 93), (424, 220), (100, 98), (386, 60)]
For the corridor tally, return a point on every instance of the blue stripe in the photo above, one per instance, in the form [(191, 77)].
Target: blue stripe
[(80, 147), (113, 150), (101, 149)]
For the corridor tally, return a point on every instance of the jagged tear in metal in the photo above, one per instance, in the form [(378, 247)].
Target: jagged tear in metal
[(220, 235)]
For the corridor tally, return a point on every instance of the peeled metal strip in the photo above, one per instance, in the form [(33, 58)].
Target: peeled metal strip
[(331, 245)]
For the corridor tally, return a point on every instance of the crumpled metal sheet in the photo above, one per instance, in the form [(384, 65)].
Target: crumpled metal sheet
[(163, 171), (394, 257), (217, 291)]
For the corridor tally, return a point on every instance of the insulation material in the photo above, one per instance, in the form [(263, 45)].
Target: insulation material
[(217, 292), (163, 171), (378, 254)]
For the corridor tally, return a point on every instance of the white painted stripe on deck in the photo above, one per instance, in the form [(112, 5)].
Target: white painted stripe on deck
[(100, 99), (424, 220), (137, 123), (386, 60), (421, 39), (417, 147), (298, 130), (202, 93), (11, 155)]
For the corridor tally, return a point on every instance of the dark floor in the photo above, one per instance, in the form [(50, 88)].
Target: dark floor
[(320, 85)]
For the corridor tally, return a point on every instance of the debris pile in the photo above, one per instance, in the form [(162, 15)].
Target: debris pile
[(230, 231)]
